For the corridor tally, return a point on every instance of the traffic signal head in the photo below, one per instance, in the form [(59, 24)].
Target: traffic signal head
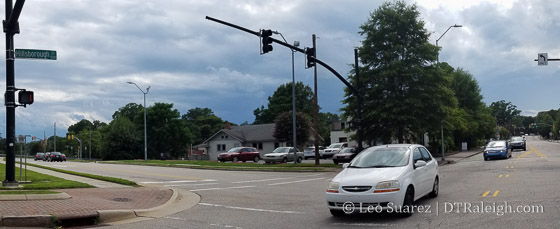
[(25, 97), (266, 40), (310, 53)]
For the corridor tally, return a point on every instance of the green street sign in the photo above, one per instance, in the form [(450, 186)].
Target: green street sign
[(35, 54)]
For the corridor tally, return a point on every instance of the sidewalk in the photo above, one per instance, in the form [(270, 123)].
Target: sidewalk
[(453, 157), (107, 204)]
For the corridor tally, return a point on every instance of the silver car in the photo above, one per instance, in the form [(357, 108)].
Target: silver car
[(283, 154)]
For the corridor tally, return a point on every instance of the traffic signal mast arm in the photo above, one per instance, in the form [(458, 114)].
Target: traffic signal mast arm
[(258, 34)]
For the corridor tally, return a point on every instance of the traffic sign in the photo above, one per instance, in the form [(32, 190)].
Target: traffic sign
[(35, 54), (543, 58)]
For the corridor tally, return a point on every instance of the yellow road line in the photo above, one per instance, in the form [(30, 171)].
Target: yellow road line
[(486, 193), (537, 151), (507, 175), (496, 193), (525, 154), (500, 176)]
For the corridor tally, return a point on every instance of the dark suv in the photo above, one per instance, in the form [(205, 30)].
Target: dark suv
[(518, 143)]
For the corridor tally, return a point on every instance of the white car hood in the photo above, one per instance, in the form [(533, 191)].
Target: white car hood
[(368, 176)]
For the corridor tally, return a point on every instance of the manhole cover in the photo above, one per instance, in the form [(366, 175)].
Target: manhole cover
[(119, 199)]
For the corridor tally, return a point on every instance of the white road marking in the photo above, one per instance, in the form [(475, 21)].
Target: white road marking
[(273, 179), (251, 209), (176, 181), (175, 185), (175, 218), (291, 182), (208, 189)]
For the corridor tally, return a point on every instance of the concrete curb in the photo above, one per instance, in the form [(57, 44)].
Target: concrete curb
[(58, 196), (27, 221), (180, 200)]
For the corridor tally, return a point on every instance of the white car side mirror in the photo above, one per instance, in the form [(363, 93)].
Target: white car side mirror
[(345, 165), (419, 164)]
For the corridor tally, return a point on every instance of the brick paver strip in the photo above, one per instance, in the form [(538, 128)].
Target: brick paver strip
[(85, 202)]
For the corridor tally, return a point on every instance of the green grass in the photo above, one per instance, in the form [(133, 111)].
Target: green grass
[(41, 181), (97, 177), (229, 165)]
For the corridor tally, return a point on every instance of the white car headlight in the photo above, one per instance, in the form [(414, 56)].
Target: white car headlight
[(387, 186), (333, 187)]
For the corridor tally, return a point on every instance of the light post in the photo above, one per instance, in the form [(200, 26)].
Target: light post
[(441, 125), (145, 132), (294, 141)]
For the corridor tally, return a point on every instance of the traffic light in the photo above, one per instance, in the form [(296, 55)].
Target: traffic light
[(310, 53), (266, 40), (25, 97), (70, 137)]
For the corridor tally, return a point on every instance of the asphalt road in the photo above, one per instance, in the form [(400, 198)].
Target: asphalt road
[(473, 194)]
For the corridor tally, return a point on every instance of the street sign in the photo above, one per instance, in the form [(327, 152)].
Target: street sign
[(35, 54), (542, 58)]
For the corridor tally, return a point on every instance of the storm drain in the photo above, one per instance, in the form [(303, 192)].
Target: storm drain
[(122, 199)]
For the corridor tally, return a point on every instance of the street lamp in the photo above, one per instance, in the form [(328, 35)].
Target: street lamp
[(441, 125), (145, 132), (294, 141)]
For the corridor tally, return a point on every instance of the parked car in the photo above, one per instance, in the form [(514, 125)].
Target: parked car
[(47, 156), (390, 176), (334, 149), (309, 152), (497, 149), (345, 155), (64, 157), (39, 156), (283, 154), (240, 154), (518, 143), (55, 156)]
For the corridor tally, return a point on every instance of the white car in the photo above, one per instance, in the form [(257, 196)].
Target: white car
[(334, 149), (283, 154), (309, 152), (384, 178)]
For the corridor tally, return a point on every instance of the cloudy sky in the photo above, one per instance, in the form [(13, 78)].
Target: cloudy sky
[(193, 62)]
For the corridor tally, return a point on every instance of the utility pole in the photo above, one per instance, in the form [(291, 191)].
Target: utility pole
[(315, 103), (54, 137), (358, 104), (11, 27), (90, 143)]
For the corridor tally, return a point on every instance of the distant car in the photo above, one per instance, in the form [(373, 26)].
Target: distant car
[(283, 154), (240, 154), (55, 156), (518, 143), (497, 149), (309, 152), (47, 156), (345, 155), (39, 156), (387, 177), (64, 157), (334, 149)]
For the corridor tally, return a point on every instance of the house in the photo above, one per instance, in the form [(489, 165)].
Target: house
[(338, 134), (257, 136)]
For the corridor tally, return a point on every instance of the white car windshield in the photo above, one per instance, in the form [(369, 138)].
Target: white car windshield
[(517, 139), (381, 157), (335, 146), (281, 150)]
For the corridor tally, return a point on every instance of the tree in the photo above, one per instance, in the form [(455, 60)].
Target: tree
[(544, 123), (281, 101), (325, 121), (504, 112), (81, 125), (131, 111), (403, 93), (167, 132), (202, 123), (283, 130), (121, 140)]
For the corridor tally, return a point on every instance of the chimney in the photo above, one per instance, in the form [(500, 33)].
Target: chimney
[(228, 125)]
